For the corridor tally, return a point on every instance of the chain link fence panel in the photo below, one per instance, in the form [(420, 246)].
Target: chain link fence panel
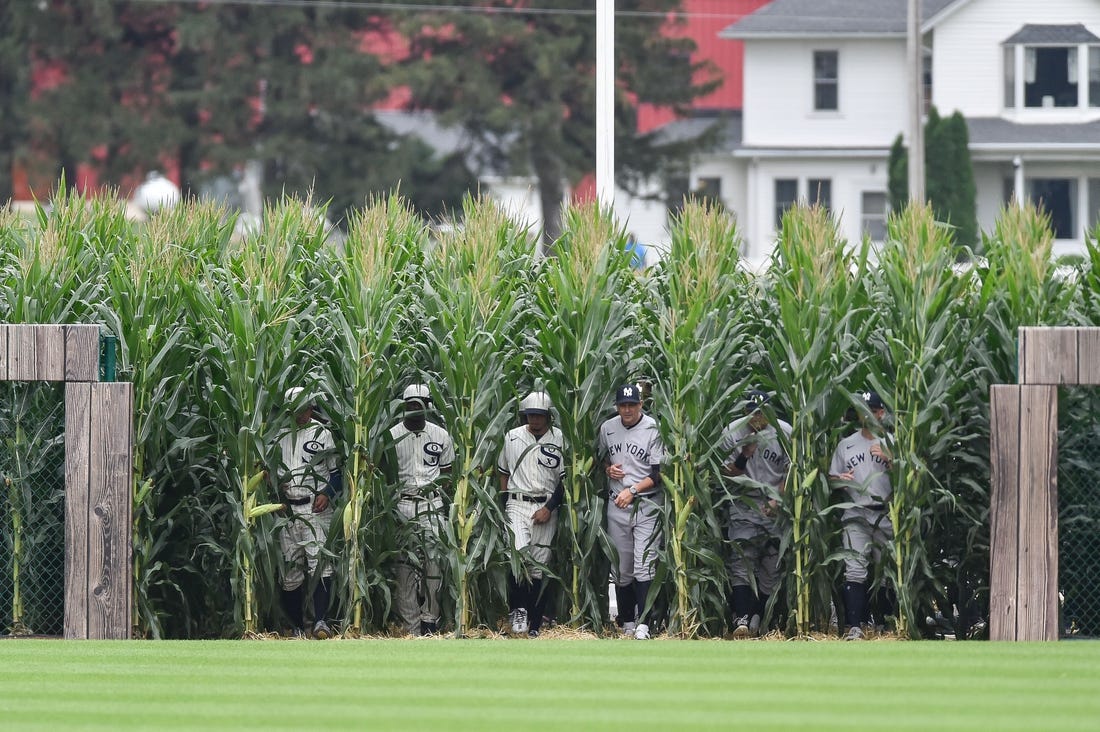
[(32, 508), (1079, 511)]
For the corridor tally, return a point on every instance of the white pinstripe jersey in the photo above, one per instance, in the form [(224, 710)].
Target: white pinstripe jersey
[(309, 457), (769, 464), (636, 448), (421, 455), (534, 466), (870, 474)]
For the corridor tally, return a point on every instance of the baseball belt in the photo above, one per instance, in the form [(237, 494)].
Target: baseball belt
[(298, 501), (529, 499)]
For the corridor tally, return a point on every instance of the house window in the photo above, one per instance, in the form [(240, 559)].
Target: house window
[(1058, 198), (677, 187), (1010, 77), (872, 215), (1050, 76), (1094, 76), (786, 193), (820, 191), (825, 81), (709, 189)]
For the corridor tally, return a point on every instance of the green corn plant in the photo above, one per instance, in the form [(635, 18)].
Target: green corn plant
[(925, 377), (255, 335), (698, 340), (815, 342), (369, 350), (476, 314), (145, 305), (587, 340)]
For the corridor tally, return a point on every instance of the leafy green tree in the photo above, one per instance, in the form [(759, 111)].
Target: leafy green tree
[(14, 89), (949, 175), (520, 81)]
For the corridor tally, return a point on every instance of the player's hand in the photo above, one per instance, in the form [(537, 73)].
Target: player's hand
[(624, 499), (616, 472), (541, 516), (320, 503), (749, 450), (880, 453), (770, 508)]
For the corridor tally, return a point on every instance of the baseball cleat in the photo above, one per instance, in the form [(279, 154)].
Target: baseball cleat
[(321, 630), (519, 621), (532, 633), (741, 627), (754, 625), (855, 633), (641, 632), (628, 628)]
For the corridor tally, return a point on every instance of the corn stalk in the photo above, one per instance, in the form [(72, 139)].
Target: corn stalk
[(818, 325), (698, 346), (587, 339)]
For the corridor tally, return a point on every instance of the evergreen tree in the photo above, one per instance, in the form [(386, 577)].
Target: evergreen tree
[(521, 82), (949, 175)]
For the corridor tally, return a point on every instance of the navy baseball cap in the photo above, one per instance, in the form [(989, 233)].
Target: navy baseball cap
[(755, 399), (628, 394), (872, 400)]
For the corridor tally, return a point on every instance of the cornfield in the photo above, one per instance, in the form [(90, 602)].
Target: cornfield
[(213, 328)]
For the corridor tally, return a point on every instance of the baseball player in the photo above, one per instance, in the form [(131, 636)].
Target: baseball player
[(423, 453), (757, 466), (631, 450), (308, 479), (531, 469), (860, 468)]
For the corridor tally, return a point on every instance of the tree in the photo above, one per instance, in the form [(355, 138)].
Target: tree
[(520, 81), (949, 172)]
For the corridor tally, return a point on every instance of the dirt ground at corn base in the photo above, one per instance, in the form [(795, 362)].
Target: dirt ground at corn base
[(565, 633)]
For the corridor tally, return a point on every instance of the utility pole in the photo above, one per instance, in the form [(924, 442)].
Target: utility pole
[(915, 61), (605, 102)]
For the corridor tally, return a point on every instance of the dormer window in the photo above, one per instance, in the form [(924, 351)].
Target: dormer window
[(1048, 66)]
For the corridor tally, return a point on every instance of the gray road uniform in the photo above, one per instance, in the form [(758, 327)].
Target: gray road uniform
[(634, 530), (753, 527), (535, 469), (311, 468), (421, 456), (867, 526)]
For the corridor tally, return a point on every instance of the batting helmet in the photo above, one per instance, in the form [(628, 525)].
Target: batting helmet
[(537, 402), (417, 391)]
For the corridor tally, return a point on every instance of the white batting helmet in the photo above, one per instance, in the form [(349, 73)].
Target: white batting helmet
[(417, 391), (537, 402)]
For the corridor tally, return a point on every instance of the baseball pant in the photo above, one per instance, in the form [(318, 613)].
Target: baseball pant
[(755, 554), (636, 533), (866, 532), (528, 537), (301, 539), (418, 585)]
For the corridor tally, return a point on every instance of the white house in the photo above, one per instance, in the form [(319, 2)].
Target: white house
[(825, 94)]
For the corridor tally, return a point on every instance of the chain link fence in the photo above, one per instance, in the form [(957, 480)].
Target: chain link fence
[(32, 508), (1079, 511)]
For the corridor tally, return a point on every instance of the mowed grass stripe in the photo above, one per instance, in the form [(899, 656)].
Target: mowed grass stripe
[(446, 684)]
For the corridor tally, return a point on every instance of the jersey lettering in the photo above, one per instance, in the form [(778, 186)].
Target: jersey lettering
[(549, 457), (432, 452)]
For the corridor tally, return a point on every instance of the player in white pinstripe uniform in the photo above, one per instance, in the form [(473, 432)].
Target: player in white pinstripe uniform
[(308, 478), (531, 468), (423, 454), (631, 449)]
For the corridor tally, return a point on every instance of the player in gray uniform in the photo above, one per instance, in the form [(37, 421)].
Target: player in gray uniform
[(531, 468), (861, 467), (423, 453), (756, 465), (631, 450), (308, 479)]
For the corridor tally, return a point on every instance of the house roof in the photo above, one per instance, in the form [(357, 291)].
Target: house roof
[(729, 133), (1075, 33), (815, 18), (997, 132)]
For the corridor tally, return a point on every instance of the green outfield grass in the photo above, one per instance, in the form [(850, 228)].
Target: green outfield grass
[(548, 684)]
